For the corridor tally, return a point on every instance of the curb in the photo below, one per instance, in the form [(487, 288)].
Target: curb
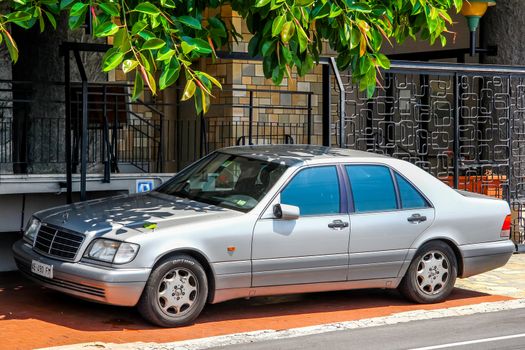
[(266, 335)]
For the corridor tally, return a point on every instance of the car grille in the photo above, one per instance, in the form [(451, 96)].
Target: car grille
[(57, 243)]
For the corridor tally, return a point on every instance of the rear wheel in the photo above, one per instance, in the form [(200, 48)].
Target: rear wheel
[(431, 275), (175, 293)]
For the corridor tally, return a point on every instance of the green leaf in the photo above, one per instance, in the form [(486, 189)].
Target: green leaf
[(287, 32), (277, 75), (358, 6), (261, 3), (112, 59), (150, 80), (138, 27), (106, 29), (165, 54), (277, 25), (66, 3), (51, 19), (189, 21), (168, 3), (18, 16), (286, 54), (321, 10), (170, 74), (382, 61), (268, 47), (11, 46), (109, 8), (138, 86), (153, 44), (148, 8), (205, 101), (78, 9), (304, 2), (189, 90), (212, 79), (41, 22), (458, 4), (75, 22), (129, 65), (121, 40), (303, 39), (218, 27), (195, 44)]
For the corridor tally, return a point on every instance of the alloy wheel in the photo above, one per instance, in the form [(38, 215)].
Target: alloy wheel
[(178, 292), (433, 272)]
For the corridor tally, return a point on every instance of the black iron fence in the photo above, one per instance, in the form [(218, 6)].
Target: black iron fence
[(139, 136), (463, 124)]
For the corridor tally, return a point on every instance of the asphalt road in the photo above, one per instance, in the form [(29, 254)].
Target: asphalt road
[(497, 330)]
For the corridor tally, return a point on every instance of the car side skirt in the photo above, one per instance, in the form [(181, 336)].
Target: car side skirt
[(236, 293)]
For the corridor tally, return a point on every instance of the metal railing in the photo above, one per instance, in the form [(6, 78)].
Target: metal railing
[(462, 123), (139, 136)]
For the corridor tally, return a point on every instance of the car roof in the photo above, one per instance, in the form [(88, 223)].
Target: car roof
[(294, 154)]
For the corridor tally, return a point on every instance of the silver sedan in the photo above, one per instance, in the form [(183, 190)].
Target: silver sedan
[(267, 220)]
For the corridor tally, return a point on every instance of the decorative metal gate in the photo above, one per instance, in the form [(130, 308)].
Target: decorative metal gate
[(464, 124)]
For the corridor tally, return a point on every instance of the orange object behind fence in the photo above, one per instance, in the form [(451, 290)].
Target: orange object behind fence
[(490, 185)]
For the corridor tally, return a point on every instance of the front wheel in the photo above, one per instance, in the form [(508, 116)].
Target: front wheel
[(431, 275), (175, 293)]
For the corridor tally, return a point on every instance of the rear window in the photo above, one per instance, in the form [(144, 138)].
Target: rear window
[(410, 197)]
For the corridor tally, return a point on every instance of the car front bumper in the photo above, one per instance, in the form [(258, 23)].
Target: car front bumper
[(97, 283), (483, 257)]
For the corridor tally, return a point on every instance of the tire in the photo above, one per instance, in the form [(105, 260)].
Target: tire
[(431, 275), (175, 293)]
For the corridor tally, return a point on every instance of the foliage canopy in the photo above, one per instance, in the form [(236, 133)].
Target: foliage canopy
[(157, 40)]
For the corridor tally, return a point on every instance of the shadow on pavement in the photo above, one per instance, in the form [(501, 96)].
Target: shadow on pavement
[(21, 299)]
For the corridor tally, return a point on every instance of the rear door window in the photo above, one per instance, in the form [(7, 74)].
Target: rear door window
[(372, 188)]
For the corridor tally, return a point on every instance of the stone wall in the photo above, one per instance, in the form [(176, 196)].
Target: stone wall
[(272, 104)]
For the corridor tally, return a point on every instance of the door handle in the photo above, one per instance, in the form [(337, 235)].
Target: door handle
[(416, 218), (338, 224)]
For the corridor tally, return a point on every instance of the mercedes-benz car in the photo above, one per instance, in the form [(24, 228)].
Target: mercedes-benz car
[(266, 220)]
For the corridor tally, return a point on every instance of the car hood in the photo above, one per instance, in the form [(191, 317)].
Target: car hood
[(128, 214)]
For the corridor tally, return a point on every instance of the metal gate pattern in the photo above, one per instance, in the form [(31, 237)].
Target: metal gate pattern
[(463, 124)]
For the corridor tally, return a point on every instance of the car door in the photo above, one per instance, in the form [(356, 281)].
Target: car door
[(387, 214), (313, 248)]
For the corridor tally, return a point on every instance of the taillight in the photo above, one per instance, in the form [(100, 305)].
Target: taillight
[(505, 228)]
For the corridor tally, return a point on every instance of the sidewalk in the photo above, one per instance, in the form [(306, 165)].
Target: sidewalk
[(508, 280), (505, 282), (26, 310)]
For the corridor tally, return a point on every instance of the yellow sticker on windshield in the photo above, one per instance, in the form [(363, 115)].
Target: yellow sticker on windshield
[(241, 202), (150, 225)]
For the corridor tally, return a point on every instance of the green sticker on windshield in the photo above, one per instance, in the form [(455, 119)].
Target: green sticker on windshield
[(241, 202)]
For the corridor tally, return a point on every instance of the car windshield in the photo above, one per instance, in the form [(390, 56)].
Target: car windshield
[(225, 180)]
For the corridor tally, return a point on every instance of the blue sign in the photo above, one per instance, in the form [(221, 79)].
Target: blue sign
[(144, 185)]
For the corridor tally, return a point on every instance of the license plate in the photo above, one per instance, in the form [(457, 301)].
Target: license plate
[(42, 269)]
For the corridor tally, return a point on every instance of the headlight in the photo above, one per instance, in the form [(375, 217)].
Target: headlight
[(31, 230), (112, 251)]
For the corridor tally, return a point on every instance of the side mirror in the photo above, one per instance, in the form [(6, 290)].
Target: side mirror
[(286, 212)]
